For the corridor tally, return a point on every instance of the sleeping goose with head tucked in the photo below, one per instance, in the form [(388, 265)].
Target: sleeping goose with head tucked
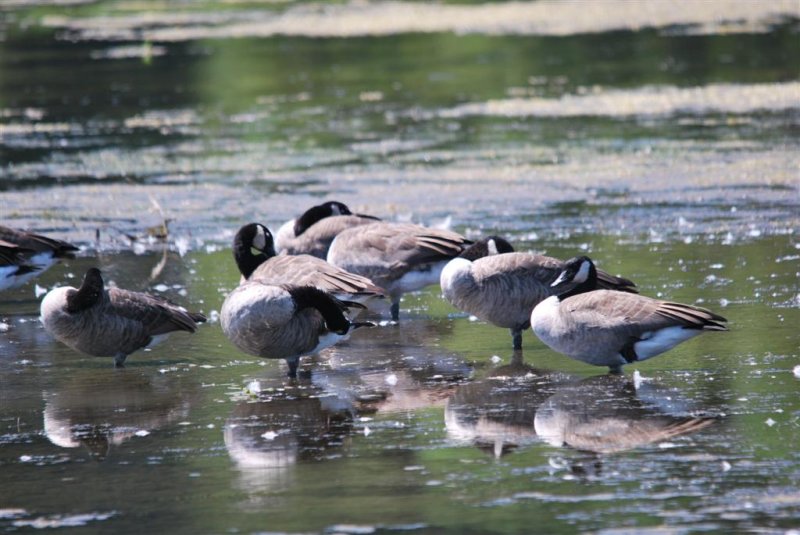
[(497, 285), (611, 328), (313, 232), (284, 321), (254, 253), (399, 257), (111, 322)]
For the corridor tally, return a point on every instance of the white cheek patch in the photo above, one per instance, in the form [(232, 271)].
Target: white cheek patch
[(492, 246), (336, 210), (583, 273), (260, 239)]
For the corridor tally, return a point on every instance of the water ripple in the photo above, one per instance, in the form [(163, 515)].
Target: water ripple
[(354, 19)]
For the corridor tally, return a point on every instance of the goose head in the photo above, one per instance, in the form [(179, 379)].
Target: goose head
[(491, 245), (319, 212), (252, 246), (579, 271)]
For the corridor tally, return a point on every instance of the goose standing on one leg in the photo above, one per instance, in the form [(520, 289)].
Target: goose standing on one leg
[(40, 251), (313, 232), (492, 282), (610, 328), (284, 322), (254, 253), (112, 322), (399, 257)]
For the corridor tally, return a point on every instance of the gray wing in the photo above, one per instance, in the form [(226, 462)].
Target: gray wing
[(521, 272), (157, 315), (403, 243), (634, 314), (510, 285), (316, 240), (329, 227), (306, 270)]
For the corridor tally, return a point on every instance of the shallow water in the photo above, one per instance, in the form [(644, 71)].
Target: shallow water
[(662, 144)]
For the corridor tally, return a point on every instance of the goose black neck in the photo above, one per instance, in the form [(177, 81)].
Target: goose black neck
[(332, 309), (481, 248), (88, 294), (246, 261), (318, 213)]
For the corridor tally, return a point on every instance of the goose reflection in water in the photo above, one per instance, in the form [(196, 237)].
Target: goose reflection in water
[(519, 405), (268, 436), (496, 413), (611, 413), (99, 411), (403, 368)]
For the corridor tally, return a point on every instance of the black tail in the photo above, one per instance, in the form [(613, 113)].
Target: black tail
[(60, 248), (27, 268), (332, 309), (607, 281), (197, 317), (352, 304)]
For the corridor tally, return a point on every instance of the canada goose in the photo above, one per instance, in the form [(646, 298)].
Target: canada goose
[(300, 270), (611, 328), (112, 322), (38, 251), (313, 232), (284, 322), (399, 257), (14, 267), (492, 282), (606, 414)]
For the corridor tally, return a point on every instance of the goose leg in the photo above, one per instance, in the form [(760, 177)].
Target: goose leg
[(616, 369), (293, 363), (119, 360), (516, 336), (395, 310)]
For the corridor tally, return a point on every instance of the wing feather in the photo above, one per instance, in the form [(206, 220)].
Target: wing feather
[(158, 315)]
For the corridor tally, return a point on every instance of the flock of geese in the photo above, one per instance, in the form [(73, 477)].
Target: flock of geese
[(302, 291)]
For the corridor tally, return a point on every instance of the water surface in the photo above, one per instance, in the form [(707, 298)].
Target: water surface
[(662, 143)]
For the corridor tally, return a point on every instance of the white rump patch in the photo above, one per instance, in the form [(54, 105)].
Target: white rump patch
[(325, 341), (6, 276), (157, 339), (418, 279), (662, 340)]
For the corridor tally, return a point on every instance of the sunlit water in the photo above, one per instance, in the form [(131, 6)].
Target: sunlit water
[(662, 143)]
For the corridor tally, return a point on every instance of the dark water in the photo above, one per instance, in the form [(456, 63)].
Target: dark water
[(665, 146)]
